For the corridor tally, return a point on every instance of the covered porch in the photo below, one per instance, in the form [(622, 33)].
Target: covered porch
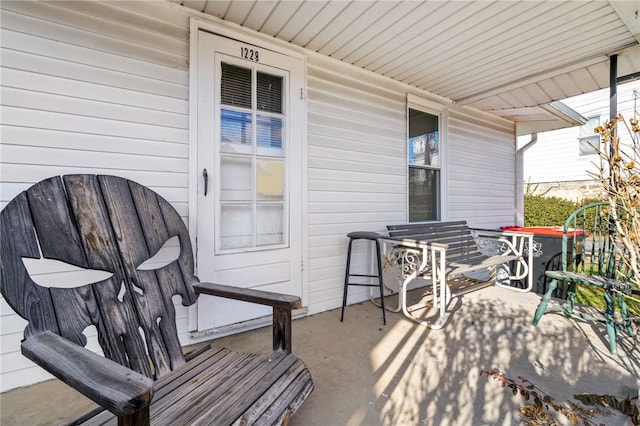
[(113, 84), (405, 374)]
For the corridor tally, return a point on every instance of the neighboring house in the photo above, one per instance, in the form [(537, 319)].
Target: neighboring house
[(270, 147), (557, 164)]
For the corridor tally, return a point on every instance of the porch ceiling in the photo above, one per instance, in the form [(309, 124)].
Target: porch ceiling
[(509, 58)]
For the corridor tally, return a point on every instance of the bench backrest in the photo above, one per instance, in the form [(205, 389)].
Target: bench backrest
[(461, 246), (111, 226), (589, 244)]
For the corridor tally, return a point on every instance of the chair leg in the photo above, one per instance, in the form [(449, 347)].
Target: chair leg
[(624, 312), (379, 257), (571, 300), (611, 325), (542, 307), (346, 280)]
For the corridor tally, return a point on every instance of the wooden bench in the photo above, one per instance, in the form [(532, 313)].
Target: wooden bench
[(102, 231), (448, 251)]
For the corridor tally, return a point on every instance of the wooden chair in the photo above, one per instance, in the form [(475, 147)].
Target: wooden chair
[(591, 258), (114, 233)]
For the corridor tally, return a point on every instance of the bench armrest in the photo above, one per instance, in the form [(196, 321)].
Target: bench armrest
[(115, 387), (517, 243), (497, 234), (282, 305)]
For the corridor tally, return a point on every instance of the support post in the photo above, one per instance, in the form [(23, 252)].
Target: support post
[(613, 86), (282, 329)]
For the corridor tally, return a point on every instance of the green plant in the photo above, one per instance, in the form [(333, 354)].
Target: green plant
[(549, 211)]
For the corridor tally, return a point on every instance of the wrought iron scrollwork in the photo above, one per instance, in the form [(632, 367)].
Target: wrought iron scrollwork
[(404, 261)]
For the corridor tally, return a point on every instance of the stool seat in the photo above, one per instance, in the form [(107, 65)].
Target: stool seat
[(364, 235), (375, 238)]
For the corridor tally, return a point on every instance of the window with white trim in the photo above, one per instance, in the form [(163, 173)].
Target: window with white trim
[(424, 174)]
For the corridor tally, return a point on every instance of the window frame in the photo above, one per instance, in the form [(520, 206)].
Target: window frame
[(256, 153), (438, 110)]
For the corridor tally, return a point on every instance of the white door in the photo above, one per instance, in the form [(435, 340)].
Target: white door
[(250, 134)]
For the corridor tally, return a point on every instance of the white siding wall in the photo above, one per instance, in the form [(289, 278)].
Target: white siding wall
[(482, 171), (555, 157), (90, 88), (103, 88), (358, 169)]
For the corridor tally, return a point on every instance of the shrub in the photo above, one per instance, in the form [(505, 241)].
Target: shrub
[(549, 211)]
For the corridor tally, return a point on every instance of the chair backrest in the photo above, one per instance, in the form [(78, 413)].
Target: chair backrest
[(589, 243), (102, 235)]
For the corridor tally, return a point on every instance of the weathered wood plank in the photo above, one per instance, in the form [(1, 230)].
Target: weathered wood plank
[(209, 362), (111, 385), (229, 387), (155, 234), (296, 383), (176, 226), (29, 300), (162, 345), (209, 387), (118, 326), (59, 240), (247, 388), (279, 300), (282, 329)]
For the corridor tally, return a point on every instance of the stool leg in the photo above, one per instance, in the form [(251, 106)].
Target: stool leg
[(379, 257), (346, 280)]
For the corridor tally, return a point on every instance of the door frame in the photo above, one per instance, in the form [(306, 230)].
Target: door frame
[(249, 37)]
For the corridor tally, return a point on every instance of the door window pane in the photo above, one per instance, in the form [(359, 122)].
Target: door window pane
[(236, 178), (235, 86), (236, 226), (423, 154), (235, 128), (270, 224), (270, 180), (269, 130), (269, 95)]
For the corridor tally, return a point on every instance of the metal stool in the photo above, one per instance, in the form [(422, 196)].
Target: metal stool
[(371, 236)]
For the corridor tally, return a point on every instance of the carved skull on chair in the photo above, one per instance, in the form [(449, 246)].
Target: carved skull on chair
[(83, 250)]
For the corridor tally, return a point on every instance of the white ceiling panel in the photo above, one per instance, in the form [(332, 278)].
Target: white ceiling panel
[(493, 55)]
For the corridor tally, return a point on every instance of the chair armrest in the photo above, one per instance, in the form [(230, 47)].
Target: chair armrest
[(277, 300), (282, 305), (115, 387)]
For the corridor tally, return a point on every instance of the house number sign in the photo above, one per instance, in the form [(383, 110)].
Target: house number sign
[(249, 54)]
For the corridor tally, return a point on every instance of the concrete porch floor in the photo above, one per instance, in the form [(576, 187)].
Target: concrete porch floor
[(405, 374)]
